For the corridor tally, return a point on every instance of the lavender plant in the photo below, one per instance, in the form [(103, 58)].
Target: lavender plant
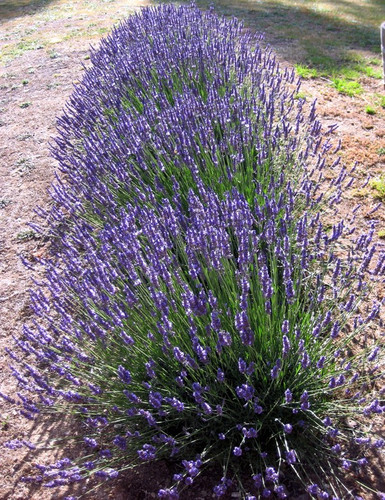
[(195, 306)]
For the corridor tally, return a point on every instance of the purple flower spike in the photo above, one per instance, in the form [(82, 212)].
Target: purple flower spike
[(291, 456), (124, 374), (305, 404), (245, 392), (288, 396), (285, 346)]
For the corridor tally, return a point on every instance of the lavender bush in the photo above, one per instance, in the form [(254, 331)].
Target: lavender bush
[(195, 306)]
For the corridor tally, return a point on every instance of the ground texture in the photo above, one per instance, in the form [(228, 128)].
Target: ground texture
[(44, 48)]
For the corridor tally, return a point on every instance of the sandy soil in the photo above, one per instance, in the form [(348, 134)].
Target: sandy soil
[(43, 52)]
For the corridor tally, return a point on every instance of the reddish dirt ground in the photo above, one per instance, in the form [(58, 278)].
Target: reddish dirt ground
[(34, 86)]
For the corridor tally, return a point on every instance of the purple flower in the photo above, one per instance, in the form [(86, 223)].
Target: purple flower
[(285, 327), (245, 392), (291, 456), (237, 451), (288, 396), (333, 432), (219, 490), (313, 489), (243, 327), (249, 432), (179, 355), (120, 442), (92, 443), (305, 360), (288, 428), (224, 338), (155, 399), (362, 462), (335, 330), (147, 453), (175, 403), (168, 494), (305, 404), (280, 492), (285, 346), (271, 474), (243, 367), (327, 421), (276, 369), (257, 478), (124, 374), (207, 408), (192, 466), (372, 356), (220, 375)]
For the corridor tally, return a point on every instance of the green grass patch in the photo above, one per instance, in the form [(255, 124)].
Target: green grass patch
[(26, 235), (300, 95), (379, 186), (306, 72), (370, 110), (373, 73), (347, 87), (17, 50)]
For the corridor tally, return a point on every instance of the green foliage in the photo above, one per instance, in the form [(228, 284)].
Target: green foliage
[(347, 87), (26, 235), (379, 186), (370, 110), (306, 72), (300, 95), (18, 49), (4, 424), (373, 73)]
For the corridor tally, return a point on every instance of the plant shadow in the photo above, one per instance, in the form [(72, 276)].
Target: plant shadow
[(333, 42), (10, 9)]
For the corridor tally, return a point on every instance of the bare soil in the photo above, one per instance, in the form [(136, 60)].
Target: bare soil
[(44, 47)]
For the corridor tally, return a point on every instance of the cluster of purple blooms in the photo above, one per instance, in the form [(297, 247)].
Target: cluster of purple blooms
[(194, 299)]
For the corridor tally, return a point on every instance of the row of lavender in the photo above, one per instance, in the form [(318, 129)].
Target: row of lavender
[(195, 307)]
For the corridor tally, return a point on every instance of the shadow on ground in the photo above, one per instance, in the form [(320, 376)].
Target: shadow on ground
[(10, 9), (327, 40)]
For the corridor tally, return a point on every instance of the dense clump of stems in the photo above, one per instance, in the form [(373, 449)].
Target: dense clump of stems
[(196, 307)]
